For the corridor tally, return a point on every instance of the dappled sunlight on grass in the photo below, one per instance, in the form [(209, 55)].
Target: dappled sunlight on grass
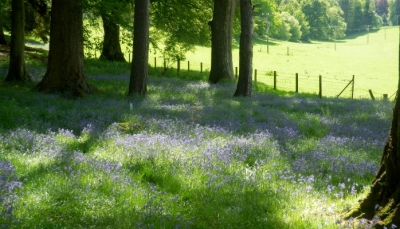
[(189, 155)]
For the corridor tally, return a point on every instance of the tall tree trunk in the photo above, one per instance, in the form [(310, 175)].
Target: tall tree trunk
[(244, 85), (65, 62), (139, 69), (111, 46), (221, 40), (17, 70), (383, 199)]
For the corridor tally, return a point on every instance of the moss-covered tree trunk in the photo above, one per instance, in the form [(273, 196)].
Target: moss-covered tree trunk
[(65, 62), (221, 40), (383, 199), (17, 69), (245, 84), (139, 70), (111, 46)]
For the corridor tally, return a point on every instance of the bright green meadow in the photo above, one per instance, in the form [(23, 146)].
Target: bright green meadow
[(372, 59), (189, 154)]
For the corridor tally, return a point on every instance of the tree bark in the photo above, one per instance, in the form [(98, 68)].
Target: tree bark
[(221, 40), (111, 46), (245, 83), (65, 62), (17, 69), (139, 69), (383, 199)]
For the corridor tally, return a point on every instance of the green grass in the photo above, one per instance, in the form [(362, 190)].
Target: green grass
[(189, 155), (374, 64), (372, 58)]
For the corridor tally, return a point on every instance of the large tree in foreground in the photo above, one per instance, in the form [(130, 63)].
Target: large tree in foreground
[(139, 70), (65, 62), (244, 85), (383, 200), (221, 40), (17, 69)]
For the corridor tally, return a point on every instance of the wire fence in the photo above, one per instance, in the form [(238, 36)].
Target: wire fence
[(328, 86), (318, 85)]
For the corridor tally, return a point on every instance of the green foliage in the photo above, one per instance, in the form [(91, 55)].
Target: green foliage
[(325, 19), (5, 13), (282, 28), (294, 9), (37, 19), (119, 12), (182, 24), (382, 8), (290, 28), (358, 14), (394, 11), (336, 23), (265, 11)]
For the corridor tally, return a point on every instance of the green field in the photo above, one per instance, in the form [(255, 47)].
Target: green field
[(372, 58)]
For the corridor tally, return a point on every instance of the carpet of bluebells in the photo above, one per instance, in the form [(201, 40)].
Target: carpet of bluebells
[(189, 155)]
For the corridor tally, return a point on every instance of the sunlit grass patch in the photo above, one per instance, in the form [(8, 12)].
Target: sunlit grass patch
[(188, 155)]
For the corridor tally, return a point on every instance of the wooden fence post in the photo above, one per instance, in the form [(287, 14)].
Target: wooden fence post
[(201, 67), (352, 89), (236, 72), (297, 82), (255, 75), (320, 86), (274, 80), (188, 66), (179, 66), (155, 63), (165, 65), (385, 97), (371, 94)]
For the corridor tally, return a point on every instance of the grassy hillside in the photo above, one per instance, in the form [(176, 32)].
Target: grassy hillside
[(372, 58)]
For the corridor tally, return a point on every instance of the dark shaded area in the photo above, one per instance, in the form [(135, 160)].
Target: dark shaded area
[(3, 40), (111, 47), (17, 70), (359, 33)]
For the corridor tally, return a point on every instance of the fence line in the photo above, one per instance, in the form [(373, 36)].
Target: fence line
[(319, 85)]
